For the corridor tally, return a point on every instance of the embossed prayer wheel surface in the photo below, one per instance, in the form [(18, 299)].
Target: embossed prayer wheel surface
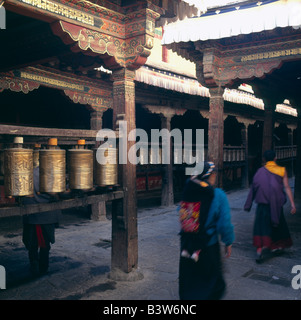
[(18, 172), (107, 174), (80, 166), (52, 170)]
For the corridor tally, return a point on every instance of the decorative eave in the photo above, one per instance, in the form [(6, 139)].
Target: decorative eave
[(267, 16), (96, 94), (123, 38), (286, 108)]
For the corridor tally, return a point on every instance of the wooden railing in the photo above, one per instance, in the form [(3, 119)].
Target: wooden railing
[(286, 152), (234, 153)]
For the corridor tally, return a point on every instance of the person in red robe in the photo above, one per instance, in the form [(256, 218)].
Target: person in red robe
[(269, 190)]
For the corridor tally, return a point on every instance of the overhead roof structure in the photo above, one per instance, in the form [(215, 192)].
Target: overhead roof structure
[(223, 23)]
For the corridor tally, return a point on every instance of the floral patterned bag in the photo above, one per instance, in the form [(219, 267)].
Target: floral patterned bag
[(189, 213)]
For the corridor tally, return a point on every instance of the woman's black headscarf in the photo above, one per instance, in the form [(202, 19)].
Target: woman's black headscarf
[(197, 188)]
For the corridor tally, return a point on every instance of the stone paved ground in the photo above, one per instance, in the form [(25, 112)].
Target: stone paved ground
[(80, 260)]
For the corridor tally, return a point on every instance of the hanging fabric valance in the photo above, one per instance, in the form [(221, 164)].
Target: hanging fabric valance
[(170, 81), (282, 13), (286, 108)]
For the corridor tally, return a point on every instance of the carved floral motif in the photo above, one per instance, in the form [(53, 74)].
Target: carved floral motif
[(17, 85), (96, 103), (130, 49)]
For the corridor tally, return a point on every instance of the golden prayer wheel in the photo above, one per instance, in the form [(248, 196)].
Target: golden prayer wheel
[(80, 165), (18, 170), (107, 174), (52, 168)]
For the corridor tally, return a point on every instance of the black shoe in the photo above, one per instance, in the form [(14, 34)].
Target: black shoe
[(259, 258), (263, 255)]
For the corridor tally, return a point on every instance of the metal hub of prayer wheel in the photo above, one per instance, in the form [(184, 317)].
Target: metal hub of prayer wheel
[(18, 170), (52, 169), (107, 173), (80, 165)]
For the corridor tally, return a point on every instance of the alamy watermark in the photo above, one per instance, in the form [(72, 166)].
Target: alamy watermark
[(2, 278), (183, 147), (296, 281), (2, 16)]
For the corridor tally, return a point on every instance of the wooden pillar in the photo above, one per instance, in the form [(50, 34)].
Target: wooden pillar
[(290, 169), (96, 120), (245, 142), (298, 161), (268, 126), (166, 113), (216, 130), (124, 258), (167, 180), (98, 210)]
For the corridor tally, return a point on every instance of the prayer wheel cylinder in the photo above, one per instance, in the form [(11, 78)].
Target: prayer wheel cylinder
[(52, 168), (107, 174), (80, 165), (18, 170)]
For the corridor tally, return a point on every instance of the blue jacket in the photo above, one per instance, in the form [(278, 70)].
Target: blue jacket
[(219, 219)]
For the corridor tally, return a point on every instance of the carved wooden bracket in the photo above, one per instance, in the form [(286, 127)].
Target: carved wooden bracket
[(219, 64), (129, 48), (205, 114), (95, 95), (95, 103), (8, 81), (245, 121), (167, 112), (217, 70)]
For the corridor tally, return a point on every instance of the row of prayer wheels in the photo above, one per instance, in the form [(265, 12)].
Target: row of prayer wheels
[(20, 162), (154, 156)]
